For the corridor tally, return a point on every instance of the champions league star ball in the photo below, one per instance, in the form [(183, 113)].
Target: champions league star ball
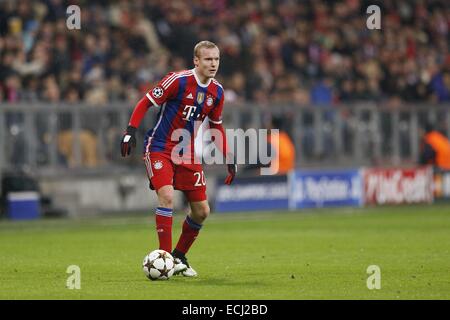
[(158, 265)]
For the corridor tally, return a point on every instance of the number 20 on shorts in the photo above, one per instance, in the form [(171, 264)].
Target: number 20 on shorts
[(201, 181)]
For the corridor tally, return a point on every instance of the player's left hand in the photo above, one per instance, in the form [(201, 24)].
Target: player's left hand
[(232, 169), (128, 141)]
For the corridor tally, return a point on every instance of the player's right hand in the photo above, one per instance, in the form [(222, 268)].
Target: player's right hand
[(232, 168), (128, 141)]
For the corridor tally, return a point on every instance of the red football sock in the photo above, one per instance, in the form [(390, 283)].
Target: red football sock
[(164, 228), (188, 235)]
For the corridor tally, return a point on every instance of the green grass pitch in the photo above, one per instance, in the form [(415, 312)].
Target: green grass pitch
[(311, 254)]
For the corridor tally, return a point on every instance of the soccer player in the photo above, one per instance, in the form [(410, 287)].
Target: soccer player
[(185, 99)]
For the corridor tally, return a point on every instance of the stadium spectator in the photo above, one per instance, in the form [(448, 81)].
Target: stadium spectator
[(283, 149), (435, 148), (65, 139), (322, 92)]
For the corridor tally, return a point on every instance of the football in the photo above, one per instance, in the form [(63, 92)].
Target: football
[(158, 265)]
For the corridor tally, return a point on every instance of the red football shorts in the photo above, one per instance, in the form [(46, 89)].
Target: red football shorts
[(188, 178)]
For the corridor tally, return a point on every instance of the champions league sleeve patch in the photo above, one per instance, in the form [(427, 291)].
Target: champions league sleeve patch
[(157, 92)]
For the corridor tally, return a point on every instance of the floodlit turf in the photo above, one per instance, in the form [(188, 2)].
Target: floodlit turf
[(313, 254)]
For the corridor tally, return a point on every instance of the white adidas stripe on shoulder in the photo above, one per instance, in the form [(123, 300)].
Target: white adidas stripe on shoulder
[(175, 78), (168, 78), (175, 74)]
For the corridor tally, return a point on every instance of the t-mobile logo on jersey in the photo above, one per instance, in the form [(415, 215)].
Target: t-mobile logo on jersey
[(188, 112)]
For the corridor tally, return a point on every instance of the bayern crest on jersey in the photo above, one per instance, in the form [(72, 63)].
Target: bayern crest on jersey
[(157, 165), (209, 101)]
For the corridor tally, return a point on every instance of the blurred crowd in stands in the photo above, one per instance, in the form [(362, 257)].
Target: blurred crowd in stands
[(286, 51)]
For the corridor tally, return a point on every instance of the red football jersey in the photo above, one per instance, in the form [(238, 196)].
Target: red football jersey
[(185, 102)]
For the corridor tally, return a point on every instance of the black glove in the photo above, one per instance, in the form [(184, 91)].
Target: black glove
[(232, 169), (128, 141)]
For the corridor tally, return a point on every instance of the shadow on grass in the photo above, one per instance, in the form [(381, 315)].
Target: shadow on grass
[(217, 282)]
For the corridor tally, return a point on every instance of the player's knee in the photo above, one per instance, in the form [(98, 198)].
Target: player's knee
[(202, 213), (165, 199)]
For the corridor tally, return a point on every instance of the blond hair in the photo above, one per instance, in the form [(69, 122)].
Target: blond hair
[(203, 44)]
